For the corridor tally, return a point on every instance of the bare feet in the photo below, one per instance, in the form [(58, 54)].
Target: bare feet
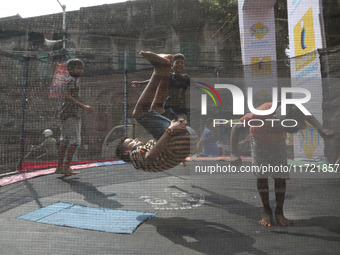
[(59, 170), (66, 171), (282, 220), (157, 59), (169, 57), (267, 219), (69, 171)]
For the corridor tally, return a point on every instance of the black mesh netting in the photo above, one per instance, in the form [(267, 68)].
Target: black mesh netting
[(108, 41)]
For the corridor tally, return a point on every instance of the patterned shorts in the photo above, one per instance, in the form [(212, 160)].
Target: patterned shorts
[(70, 131), (270, 156)]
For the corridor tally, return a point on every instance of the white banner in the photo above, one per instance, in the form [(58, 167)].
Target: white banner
[(258, 45), (305, 37)]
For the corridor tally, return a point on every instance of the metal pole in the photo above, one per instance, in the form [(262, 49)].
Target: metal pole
[(222, 128), (125, 95), (218, 73), (23, 105), (64, 24), (64, 27)]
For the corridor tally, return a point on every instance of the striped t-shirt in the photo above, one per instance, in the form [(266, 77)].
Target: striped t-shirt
[(174, 152)]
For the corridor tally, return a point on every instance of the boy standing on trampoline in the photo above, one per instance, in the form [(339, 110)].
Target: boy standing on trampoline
[(70, 118), (268, 148), (173, 137)]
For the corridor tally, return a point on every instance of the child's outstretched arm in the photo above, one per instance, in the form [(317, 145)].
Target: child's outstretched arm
[(71, 99), (324, 132), (135, 84), (235, 158)]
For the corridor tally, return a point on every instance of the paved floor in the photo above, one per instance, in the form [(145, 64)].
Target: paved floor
[(196, 214)]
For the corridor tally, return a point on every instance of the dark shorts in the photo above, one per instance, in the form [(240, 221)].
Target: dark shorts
[(157, 123), (270, 155)]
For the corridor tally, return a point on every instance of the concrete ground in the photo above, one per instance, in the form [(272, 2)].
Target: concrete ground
[(196, 214)]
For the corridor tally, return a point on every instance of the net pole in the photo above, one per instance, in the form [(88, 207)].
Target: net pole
[(125, 95), (222, 131), (22, 117)]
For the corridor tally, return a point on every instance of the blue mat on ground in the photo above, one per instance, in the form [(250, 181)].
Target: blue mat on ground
[(100, 219)]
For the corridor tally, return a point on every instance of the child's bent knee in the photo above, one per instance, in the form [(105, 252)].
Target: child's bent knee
[(157, 108)]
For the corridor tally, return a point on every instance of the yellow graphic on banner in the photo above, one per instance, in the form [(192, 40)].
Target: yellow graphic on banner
[(258, 30), (304, 40), (309, 140), (261, 66), (242, 40)]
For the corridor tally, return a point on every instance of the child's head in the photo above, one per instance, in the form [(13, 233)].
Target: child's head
[(120, 150), (293, 113), (75, 67), (179, 56), (178, 62)]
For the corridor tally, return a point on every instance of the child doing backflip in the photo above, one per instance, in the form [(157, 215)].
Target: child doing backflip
[(173, 137)]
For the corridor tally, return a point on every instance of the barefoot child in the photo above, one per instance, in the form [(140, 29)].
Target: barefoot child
[(172, 137), (268, 148), (70, 118)]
